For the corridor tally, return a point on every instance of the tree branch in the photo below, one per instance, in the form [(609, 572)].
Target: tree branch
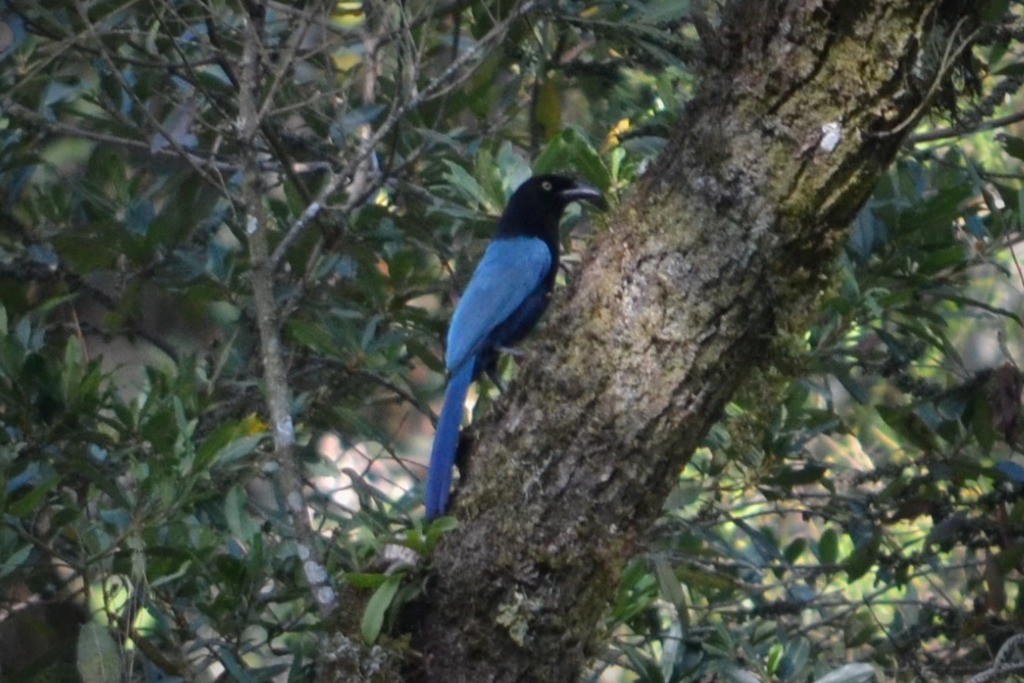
[(275, 378), (958, 131), (368, 144)]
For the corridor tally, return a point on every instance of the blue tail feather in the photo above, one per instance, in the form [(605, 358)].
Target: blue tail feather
[(446, 442)]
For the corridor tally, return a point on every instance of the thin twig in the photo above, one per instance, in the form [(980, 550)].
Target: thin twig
[(156, 126), (955, 131), (950, 55), (397, 114), (1000, 666)]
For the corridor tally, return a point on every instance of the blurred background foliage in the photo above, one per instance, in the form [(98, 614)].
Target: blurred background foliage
[(855, 516)]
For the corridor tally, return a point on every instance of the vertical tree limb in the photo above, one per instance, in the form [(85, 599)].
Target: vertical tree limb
[(278, 395)]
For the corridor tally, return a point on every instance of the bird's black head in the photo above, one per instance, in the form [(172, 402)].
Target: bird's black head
[(536, 206)]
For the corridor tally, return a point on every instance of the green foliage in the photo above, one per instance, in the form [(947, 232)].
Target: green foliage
[(98, 659), (373, 617), (136, 462), (858, 502), (869, 505)]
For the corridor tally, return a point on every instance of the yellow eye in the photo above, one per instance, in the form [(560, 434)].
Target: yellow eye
[(546, 185)]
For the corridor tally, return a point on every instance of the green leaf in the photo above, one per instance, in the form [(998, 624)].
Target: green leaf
[(852, 386), (859, 629), (1014, 146), (796, 658), (14, 560), (438, 528), (459, 178), (365, 579), (942, 259), (31, 502), (908, 425), (376, 608), (788, 477), (862, 558), (228, 443), (981, 422), (237, 516), (513, 166), (233, 666), (849, 673), (548, 106), (98, 658), (643, 665), (671, 589), (316, 337), (1015, 69), (775, 653), (794, 550), (571, 152), (992, 11), (828, 547)]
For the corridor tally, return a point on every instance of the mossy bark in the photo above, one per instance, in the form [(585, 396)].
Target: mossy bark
[(725, 242)]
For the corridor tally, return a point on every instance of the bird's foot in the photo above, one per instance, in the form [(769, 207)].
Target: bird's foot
[(496, 379)]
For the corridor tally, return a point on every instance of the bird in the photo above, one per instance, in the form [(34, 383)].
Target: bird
[(506, 296)]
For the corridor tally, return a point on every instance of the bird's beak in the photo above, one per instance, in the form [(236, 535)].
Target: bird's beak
[(587, 193)]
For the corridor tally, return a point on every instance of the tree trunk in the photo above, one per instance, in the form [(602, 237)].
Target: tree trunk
[(723, 245)]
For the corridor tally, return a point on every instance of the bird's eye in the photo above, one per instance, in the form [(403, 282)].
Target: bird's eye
[(546, 185)]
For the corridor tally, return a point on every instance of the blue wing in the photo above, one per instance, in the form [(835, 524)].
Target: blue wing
[(511, 272), (503, 300)]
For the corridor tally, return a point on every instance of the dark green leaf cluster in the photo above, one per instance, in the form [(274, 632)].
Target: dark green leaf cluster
[(864, 498), (860, 502), (138, 485)]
